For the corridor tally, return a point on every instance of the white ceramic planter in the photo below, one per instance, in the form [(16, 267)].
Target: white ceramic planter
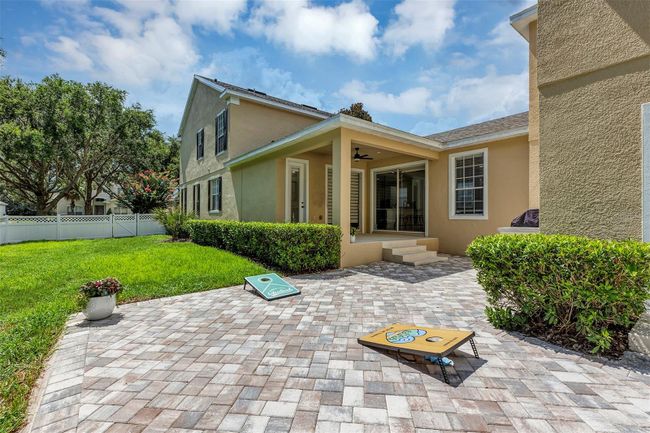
[(353, 238), (100, 307)]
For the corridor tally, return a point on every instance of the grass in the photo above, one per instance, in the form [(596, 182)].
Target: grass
[(39, 283)]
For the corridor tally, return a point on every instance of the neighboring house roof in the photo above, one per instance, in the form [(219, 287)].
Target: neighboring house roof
[(504, 127), (230, 90), (334, 122)]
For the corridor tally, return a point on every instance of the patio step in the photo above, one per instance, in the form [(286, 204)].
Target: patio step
[(408, 252)]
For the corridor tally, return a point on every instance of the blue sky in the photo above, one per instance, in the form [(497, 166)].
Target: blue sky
[(421, 66)]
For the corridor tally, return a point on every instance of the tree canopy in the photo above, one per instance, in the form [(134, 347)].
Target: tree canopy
[(356, 110), (64, 139)]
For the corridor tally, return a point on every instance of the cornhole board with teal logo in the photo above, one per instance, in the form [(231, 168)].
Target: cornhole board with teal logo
[(420, 340), (271, 286)]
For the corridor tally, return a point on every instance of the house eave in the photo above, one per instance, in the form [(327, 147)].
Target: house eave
[(487, 138), (521, 21), (335, 122)]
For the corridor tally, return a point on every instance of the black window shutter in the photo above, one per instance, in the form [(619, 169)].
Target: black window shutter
[(220, 192), (210, 195), (225, 129)]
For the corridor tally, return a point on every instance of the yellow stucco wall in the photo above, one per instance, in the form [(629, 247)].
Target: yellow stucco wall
[(593, 76), (507, 194)]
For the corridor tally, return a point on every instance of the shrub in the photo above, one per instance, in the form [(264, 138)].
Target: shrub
[(175, 221), (563, 287), (105, 287), (147, 191), (288, 247)]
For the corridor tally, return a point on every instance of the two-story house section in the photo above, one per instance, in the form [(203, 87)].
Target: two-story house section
[(221, 122)]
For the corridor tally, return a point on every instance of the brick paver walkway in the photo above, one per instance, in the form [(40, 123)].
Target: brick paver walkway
[(227, 361)]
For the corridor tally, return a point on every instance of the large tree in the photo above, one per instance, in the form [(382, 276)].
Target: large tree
[(356, 110), (39, 162), (61, 138)]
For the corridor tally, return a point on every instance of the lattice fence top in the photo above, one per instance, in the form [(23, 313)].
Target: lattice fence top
[(124, 217), (71, 219), (13, 219), (85, 218)]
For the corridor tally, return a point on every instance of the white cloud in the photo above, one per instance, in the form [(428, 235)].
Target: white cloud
[(348, 28), (246, 67), (70, 54), (416, 100), (503, 34), (216, 15), (419, 22), (161, 51), (489, 96), (472, 99)]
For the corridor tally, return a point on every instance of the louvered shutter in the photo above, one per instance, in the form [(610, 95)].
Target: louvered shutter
[(210, 196), (355, 201), (225, 130), (219, 193), (329, 196)]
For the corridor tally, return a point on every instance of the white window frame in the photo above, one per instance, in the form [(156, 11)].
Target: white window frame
[(287, 187), (452, 185), (212, 211)]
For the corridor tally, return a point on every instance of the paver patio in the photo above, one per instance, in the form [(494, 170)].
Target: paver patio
[(226, 361)]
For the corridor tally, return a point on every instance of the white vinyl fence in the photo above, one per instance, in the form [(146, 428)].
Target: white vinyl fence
[(60, 227)]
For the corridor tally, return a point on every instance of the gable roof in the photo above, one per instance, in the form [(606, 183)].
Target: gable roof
[(257, 94), (226, 89), (517, 124)]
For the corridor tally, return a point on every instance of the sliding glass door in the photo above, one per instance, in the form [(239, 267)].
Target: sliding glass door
[(400, 196)]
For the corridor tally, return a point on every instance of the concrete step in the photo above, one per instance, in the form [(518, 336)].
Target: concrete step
[(387, 252), (399, 244), (422, 259), (639, 336)]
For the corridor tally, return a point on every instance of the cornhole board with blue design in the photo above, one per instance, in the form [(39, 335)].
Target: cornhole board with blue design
[(271, 286), (419, 340)]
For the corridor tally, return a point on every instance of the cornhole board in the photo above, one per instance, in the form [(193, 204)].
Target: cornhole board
[(271, 286), (420, 340)]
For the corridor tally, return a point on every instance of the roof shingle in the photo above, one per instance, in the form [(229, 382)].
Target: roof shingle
[(260, 94), (491, 126)]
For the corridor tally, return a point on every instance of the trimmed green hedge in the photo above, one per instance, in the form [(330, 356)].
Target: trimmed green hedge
[(288, 247), (563, 286)]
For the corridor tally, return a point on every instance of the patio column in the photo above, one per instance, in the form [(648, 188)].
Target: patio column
[(341, 168)]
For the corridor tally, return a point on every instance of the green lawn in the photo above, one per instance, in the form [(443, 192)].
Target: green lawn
[(39, 283)]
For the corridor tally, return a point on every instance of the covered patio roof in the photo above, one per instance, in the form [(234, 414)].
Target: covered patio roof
[(331, 124)]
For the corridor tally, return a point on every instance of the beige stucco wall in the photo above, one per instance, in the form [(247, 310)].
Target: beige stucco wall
[(593, 76), (254, 125), (507, 194), (533, 120), (250, 125)]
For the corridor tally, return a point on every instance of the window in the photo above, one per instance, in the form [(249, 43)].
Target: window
[(197, 199), (468, 185), (184, 199), (199, 143), (215, 189), (221, 132)]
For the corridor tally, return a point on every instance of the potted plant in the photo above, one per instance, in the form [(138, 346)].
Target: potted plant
[(353, 234), (99, 298)]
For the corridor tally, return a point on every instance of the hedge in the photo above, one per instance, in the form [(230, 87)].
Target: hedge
[(569, 287), (288, 247)]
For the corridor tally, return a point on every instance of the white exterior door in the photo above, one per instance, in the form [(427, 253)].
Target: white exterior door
[(296, 198)]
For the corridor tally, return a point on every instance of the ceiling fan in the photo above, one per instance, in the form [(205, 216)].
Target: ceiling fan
[(358, 157)]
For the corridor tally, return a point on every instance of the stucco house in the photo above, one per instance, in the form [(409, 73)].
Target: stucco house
[(577, 153)]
